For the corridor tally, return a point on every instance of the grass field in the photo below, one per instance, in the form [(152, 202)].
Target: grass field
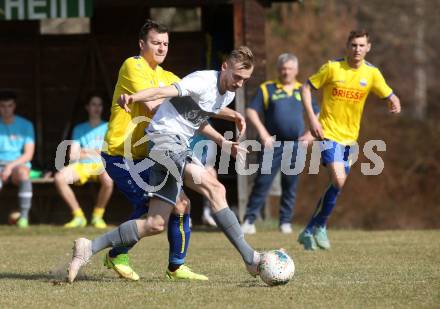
[(389, 269)]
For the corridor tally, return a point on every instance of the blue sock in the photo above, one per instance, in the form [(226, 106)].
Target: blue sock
[(179, 234), (324, 208), (138, 212)]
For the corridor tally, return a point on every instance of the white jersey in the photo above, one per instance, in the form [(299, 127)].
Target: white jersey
[(199, 98)]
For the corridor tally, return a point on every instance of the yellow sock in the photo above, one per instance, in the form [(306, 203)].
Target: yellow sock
[(98, 212), (78, 213)]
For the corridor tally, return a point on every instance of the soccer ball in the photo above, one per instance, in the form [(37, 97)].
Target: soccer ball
[(276, 267)]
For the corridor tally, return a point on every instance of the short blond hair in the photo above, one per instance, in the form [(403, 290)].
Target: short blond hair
[(242, 55)]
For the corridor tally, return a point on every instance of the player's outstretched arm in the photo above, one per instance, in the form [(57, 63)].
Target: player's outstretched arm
[(394, 104), (152, 106), (234, 116), (233, 148), (315, 126), (146, 96), (211, 133)]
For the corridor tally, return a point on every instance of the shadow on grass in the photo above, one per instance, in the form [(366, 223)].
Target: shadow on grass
[(204, 228), (252, 284), (44, 277), (21, 276), (61, 280)]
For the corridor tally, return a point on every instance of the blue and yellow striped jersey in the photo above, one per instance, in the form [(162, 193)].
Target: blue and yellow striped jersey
[(282, 109)]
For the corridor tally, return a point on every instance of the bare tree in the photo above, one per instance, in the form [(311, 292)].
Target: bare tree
[(420, 75)]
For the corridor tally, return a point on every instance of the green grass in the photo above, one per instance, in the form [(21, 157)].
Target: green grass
[(389, 269)]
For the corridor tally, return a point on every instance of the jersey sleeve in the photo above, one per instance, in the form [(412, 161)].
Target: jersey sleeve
[(258, 101), (320, 78), (172, 78), (380, 87), (192, 84), (131, 77), (29, 134)]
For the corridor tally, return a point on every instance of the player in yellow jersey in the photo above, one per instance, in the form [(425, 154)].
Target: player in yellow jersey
[(345, 84), (126, 149)]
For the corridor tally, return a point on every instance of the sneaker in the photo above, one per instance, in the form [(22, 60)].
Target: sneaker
[(321, 237), (286, 228), (82, 252), (76, 222), (207, 218), (248, 228), (120, 264), (254, 268), (307, 240), (184, 273), (22, 223), (99, 223)]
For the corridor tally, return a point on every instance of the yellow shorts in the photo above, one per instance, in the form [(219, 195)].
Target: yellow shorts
[(88, 171)]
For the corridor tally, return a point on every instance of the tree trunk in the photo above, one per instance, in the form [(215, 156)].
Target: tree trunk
[(420, 89)]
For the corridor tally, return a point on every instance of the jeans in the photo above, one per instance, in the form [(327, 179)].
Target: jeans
[(263, 183)]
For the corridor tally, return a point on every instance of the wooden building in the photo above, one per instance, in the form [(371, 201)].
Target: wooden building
[(53, 73)]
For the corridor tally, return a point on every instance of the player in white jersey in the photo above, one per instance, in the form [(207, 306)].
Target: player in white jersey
[(188, 105)]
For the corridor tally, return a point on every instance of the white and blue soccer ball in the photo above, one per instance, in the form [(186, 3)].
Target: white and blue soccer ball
[(276, 267)]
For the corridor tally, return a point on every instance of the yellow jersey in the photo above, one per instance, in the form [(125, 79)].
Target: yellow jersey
[(135, 74), (345, 90)]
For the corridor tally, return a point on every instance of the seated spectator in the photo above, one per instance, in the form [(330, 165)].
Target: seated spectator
[(87, 166), (17, 145)]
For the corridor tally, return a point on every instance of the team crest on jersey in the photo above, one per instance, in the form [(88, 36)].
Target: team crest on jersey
[(363, 82), (278, 96)]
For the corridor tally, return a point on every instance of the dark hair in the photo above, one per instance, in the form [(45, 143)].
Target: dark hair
[(358, 34), (151, 25), (92, 95), (242, 55), (6, 95)]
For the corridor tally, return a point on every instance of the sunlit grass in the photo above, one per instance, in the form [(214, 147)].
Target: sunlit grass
[(389, 269)]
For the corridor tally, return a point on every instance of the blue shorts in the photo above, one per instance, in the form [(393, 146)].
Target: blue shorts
[(332, 151), (118, 169)]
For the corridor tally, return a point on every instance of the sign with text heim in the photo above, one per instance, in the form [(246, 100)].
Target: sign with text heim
[(42, 9)]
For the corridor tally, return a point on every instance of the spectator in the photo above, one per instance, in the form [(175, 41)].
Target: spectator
[(280, 103), (88, 138), (17, 145)]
